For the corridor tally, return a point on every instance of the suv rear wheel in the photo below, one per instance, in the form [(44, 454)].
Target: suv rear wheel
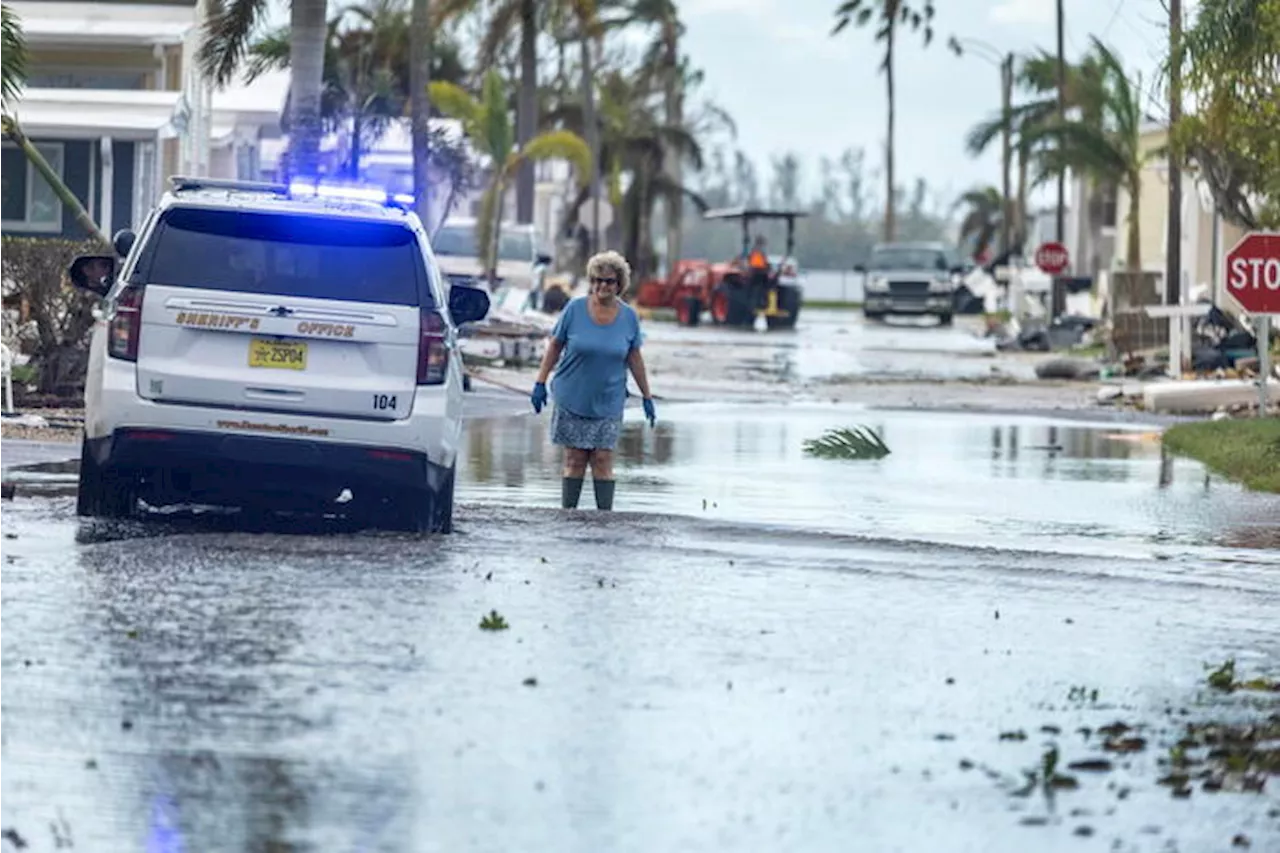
[(103, 494)]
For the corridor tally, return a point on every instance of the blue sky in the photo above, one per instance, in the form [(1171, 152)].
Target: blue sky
[(790, 86)]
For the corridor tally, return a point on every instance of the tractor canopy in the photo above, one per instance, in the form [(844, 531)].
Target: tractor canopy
[(748, 214)]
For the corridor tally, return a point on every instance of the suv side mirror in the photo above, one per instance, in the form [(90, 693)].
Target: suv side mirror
[(467, 304), (94, 273), (123, 242), (862, 268), (958, 269), (543, 258)]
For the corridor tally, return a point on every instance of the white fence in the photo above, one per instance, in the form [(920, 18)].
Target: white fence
[(832, 285)]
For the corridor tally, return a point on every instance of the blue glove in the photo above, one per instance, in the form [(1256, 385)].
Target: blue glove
[(539, 396), (648, 411)]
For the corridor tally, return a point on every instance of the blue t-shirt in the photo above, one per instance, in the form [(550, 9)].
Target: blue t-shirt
[(591, 377)]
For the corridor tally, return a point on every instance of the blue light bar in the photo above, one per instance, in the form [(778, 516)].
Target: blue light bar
[(350, 192)]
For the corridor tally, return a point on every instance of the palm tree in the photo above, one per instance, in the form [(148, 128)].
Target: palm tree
[(366, 69), (1108, 151), (14, 56), (634, 142), (231, 25), (505, 17), (983, 217), (662, 63), (1037, 75), (487, 124), (890, 15)]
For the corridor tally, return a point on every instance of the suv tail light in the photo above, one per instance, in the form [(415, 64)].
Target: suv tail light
[(433, 354), (122, 333)]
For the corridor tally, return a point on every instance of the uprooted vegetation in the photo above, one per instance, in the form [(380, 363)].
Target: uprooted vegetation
[(44, 316), (847, 443)]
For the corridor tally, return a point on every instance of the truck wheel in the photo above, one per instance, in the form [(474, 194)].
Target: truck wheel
[(944, 319), (872, 315)]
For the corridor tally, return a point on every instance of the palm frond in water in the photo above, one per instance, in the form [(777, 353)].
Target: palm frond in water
[(847, 443)]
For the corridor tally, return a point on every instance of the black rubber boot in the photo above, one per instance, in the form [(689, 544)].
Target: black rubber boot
[(604, 492), (570, 491)]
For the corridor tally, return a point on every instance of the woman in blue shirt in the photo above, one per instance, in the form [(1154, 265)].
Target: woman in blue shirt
[(594, 343)]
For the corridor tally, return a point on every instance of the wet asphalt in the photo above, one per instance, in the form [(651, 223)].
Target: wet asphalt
[(759, 651)]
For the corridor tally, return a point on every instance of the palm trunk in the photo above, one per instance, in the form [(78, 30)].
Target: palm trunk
[(890, 203), (592, 128), (60, 189), (527, 113), (673, 107), (307, 32), (644, 224), (1020, 234), (353, 166), (1133, 249), (420, 106)]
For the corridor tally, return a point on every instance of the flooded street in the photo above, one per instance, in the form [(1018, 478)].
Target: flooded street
[(759, 651)]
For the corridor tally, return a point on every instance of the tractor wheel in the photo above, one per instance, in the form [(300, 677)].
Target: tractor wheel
[(721, 305), (688, 310), (789, 301)]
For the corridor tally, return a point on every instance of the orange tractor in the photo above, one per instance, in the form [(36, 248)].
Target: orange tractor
[(733, 293)]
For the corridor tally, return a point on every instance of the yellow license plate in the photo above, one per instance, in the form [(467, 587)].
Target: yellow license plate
[(287, 355)]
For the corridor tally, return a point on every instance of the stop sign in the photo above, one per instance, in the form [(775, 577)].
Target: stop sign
[(1253, 272), (1052, 257)]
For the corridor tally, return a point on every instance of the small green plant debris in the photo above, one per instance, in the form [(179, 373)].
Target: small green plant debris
[(493, 622), (1224, 677), (847, 443)]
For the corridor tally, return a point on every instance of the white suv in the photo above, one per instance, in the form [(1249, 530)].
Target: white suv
[(283, 348)]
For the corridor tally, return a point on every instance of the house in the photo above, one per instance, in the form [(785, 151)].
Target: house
[(116, 105)]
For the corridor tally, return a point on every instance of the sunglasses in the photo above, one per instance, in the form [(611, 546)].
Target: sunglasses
[(608, 281)]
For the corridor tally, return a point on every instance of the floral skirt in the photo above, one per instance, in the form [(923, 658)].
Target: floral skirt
[(570, 430)]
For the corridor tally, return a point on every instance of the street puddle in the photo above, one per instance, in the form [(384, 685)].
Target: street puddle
[(970, 480)]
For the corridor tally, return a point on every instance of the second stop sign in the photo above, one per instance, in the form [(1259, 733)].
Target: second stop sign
[(1253, 272)]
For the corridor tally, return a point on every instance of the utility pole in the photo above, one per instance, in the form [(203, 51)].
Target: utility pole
[(1173, 251), (1006, 153), (1062, 117)]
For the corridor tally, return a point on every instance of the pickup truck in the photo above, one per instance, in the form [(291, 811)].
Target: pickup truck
[(910, 279)]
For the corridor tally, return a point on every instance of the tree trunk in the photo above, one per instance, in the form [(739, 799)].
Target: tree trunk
[(673, 107), (353, 164), (643, 259), (890, 203), (1020, 234), (60, 189), (527, 113), (307, 31), (1133, 253), (592, 128), (420, 106)]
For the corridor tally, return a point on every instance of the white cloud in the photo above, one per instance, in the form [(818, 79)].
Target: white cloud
[(1023, 12)]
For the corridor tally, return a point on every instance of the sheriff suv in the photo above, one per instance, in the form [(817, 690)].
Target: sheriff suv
[(276, 348)]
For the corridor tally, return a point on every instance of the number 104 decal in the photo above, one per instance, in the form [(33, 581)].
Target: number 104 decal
[(382, 402)]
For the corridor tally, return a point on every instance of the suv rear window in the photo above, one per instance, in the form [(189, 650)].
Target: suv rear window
[(287, 255)]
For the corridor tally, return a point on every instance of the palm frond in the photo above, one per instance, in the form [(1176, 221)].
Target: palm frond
[(503, 22), (455, 102), (228, 30), (847, 443), (557, 145), (13, 56), (493, 121)]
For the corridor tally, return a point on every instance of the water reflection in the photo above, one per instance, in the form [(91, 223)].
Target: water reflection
[(968, 478)]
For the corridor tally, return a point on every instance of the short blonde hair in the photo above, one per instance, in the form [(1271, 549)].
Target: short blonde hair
[(607, 262)]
